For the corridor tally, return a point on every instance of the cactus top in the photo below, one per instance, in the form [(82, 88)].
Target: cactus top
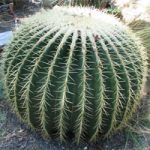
[(79, 17), (84, 17)]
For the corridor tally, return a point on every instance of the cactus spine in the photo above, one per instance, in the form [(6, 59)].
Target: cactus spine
[(74, 70)]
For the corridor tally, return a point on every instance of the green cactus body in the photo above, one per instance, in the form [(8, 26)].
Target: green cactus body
[(74, 70)]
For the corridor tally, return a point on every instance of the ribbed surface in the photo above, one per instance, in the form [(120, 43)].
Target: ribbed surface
[(68, 78)]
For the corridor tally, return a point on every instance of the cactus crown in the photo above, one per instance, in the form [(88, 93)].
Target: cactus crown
[(74, 70)]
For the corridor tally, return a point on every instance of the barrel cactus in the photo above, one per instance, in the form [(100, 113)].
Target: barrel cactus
[(74, 70)]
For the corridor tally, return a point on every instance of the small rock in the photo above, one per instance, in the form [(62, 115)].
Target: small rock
[(85, 148)]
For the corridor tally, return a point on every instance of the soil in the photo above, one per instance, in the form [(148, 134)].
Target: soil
[(15, 135)]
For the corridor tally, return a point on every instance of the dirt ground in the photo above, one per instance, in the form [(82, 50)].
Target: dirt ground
[(15, 135)]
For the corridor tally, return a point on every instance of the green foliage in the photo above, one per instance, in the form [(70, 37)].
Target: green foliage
[(74, 70), (145, 36), (1, 89), (142, 30), (138, 129), (20, 3), (115, 11), (1, 80)]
